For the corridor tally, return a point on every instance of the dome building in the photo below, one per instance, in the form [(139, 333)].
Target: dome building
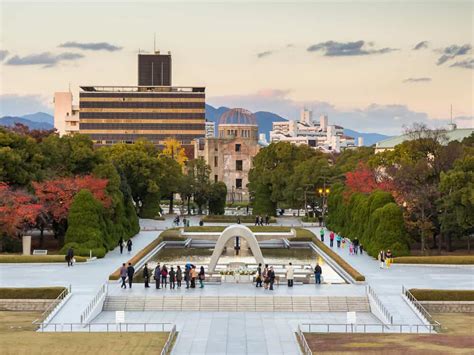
[(230, 154)]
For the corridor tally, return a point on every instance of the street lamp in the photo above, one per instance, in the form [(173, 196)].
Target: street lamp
[(324, 192)]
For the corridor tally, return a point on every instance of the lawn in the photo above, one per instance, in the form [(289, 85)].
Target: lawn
[(30, 292), (456, 338), (17, 336), (18, 258), (442, 259)]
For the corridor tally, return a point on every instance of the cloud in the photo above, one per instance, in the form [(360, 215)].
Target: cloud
[(3, 54), (341, 49), (417, 80), (46, 59), (452, 52), (384, 119), (466, 64), (19, 105), (100, 46), (421, 45), (264, 54)]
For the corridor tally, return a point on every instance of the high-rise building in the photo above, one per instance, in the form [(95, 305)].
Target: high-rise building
[(154, 69), (66, 115)]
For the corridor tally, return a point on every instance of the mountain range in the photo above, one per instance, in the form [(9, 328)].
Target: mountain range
[(265, 119)]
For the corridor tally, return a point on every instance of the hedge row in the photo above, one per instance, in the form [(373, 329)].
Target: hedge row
[(442, 259), (232, 219), (442, 295), (44, 293), (7, 259), (255, 229)]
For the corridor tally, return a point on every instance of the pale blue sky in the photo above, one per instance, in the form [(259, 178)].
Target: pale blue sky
[(217, 45)]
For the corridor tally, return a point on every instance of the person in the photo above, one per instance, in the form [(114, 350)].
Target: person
[(351, 248), (193, 276), (258, 278), (381, 258), (338, 240), (267, 220), (266, 279), (271, 276), (356, 245), (172, 278), (361, 249), (257, 220), (130, 273), (388, 258), (290, 275), (179, 276), (129, 245), (331, 239), (343, 242), (164, 276), (121, 244), (261, 221), (238, 220), (123, 275), (70, 257), (202, 276), (317, 273), (321, 233), (146, 275), (187, 275), (157, 276)]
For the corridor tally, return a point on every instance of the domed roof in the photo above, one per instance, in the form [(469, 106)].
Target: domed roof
[(238, 116)]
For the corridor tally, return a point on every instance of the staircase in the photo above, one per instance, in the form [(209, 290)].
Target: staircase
[(238, 304)]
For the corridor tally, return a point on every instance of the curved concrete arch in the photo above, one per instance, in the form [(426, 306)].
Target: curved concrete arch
[(235, 230)]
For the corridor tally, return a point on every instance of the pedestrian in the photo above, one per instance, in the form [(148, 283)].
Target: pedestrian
[(331, 239), (202, 276), (257, 220), (164, 276), (258, 278), (356, 245), (193, 276), (146, 275), (261, 221), (157, 276), (271, 276), (388, 258), (351, 249), (129, 245), (381, 258), (361, 249), (130, 273), (343, 242), (338, 240), (187, 275), (267, 220), (266, 279), (321, 233), (179, 276), (290, 275), (172, 279), (238, 220), (317, 273), (121, 244), (123, 275), (70, 257)]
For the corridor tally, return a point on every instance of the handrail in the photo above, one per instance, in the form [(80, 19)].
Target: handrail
[(366, 328), (53, 305), (306, 349), (97, 298), (412, 299), (380, 305), (107, 327), (169, 341)]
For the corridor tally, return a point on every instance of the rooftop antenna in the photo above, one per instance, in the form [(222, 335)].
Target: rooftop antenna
[(154, 42)]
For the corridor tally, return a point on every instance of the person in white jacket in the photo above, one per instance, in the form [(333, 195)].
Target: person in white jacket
[(290, 275)]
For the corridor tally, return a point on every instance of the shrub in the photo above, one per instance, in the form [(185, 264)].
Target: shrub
[(442, 295), (217, 198), (232, 219), (442, 259), (45, 293)]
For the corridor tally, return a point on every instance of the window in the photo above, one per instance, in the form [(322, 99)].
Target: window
[(237, 147), (238, 183), (238, 165), (215, 161), (215, 178)]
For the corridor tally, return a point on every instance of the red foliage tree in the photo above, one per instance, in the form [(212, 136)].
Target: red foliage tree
[(18, 210), (364, 180)]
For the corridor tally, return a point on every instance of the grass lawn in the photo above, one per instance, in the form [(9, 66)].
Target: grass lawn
[(18, 258), (442, 259), (456, 338), (18, 336), (30, 292)]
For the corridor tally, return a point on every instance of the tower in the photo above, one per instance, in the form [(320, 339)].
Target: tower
[(154, 69)]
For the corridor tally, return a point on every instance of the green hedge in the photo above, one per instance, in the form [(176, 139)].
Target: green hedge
[(442, 295), (442, 259), (262, 229), (11, 259), (232, 219), (44, 293)]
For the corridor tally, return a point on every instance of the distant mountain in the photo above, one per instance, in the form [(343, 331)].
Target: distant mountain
[(10, 121), (369, 138), (40, 117)]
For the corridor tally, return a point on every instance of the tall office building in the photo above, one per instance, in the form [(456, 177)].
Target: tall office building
[(154, 69)]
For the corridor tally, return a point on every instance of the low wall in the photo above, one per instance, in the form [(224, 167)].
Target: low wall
[(448, 306), (24, 305)]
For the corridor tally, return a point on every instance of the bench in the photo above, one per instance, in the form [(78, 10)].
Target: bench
[(40, 252)]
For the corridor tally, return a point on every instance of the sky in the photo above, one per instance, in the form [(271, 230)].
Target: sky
[(373, 66)]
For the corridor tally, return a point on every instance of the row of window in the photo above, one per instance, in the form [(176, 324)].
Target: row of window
[(238, 163), (127, 104), (142, 115), (145, 95), (244, 133), (143, 126)]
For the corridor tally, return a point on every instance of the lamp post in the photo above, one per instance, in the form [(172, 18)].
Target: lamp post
[(324, 192)]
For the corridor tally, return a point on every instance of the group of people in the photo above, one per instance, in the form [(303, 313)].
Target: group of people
[(127, 273), (385, 258), (265, 278), (259, 221), (355, 247), (122, 244), (174, 277)]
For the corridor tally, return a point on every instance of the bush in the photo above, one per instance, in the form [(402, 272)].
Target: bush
[(217, 198), (442, 259), (442, 295), (260, 229), (12, 259), (44, 293), (232, 219)]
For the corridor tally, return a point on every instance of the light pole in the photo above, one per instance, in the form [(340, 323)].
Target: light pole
[(307, 186), (324, 192)]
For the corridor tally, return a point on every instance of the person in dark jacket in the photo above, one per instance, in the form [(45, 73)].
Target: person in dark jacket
[(121, 244), (317, 273), (157, 276), (179, 276), (201, 276), (187, 275), (172, 278), (271, 276), (70, 257), (356, 245), (164, 276), (258, 277), (129, 245), (130, 273), (146, 275), (123, 275)]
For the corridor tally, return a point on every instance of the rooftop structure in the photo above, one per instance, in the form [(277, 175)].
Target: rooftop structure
[(154, 69)]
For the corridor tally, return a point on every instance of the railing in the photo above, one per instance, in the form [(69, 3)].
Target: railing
[(53, 305), (415, 303), (380, 305), (366, 328), (304, 344), (169, 341), (97, 298), (107, 327)]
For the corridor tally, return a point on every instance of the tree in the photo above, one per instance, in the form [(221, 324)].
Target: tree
[(363, 179), (217, 198), (173, 149), (198, 176)]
